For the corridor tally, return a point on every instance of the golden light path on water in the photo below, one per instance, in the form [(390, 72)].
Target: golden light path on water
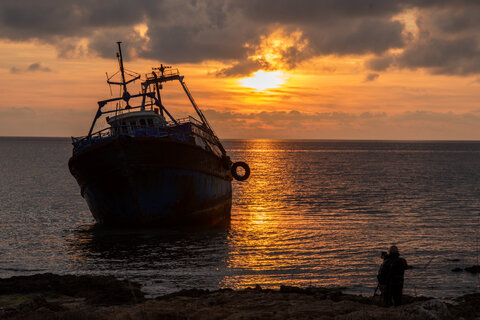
[(274, 240), (314, 217)]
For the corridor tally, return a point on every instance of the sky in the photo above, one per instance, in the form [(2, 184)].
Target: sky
[(267, 69)]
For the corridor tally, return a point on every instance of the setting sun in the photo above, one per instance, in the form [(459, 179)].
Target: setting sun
[(262, 80)]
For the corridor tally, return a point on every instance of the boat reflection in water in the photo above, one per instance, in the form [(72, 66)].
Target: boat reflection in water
[(161, 260)]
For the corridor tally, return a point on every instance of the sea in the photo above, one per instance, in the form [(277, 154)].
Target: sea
[(312, 213)]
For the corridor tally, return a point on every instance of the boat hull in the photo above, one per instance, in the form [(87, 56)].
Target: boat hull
[(153, 182)]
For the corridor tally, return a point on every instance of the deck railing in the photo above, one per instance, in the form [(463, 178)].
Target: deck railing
[(185, 130)]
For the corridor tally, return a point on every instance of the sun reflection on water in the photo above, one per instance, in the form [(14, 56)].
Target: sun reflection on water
[(321, 216), (265, 243)]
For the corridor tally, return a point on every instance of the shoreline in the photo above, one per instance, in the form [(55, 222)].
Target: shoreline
[(46, 296)]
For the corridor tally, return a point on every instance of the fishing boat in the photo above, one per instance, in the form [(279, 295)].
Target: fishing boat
[(143, 167)]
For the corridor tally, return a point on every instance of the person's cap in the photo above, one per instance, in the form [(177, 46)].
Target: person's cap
[(393, 249)]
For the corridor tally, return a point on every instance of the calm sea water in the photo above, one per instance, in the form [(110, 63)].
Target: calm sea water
[(312, 213)]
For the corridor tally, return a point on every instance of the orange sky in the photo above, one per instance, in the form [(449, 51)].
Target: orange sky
[(323, 94)]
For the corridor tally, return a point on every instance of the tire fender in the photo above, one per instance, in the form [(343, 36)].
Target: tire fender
[(235, 174)]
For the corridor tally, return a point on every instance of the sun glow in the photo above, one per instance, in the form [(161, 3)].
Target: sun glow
[(263, 80)]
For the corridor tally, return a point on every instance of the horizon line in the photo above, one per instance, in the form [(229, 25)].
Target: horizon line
[(285, 139)]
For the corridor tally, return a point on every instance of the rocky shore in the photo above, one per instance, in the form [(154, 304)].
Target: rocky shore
[(49, 296)]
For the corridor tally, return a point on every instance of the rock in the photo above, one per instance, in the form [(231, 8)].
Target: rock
[(457, 270), (186, 293), (468, 306), (197, 304), (473, 269), (434, 310), (290, 289), (97, 290), (36, 302)]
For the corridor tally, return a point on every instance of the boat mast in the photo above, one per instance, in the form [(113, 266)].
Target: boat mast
[(158, 86), (125, 96), (122, 70)]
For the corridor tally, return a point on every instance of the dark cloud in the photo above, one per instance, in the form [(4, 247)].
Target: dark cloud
[(37, 66), (358, 37), (34, 67), (371, 77), (244, 67), (178, 44), (15, 70), (315, 12), (457, 56), (380, 63), (235, 32), (50, 19), (447, 43)]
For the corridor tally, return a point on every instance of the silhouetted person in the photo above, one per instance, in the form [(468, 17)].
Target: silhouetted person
[(390, 277)]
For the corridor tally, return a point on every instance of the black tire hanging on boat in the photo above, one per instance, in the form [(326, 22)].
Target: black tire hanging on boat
[(245, 167)]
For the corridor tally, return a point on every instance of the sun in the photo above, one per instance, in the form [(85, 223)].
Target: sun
[(263, 80)]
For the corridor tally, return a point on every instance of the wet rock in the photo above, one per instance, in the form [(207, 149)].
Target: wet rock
[(36, 302), (97, 290), (467, 306), (254, 303), (186, 293), (290, 289), (318, 291), (434, 309)]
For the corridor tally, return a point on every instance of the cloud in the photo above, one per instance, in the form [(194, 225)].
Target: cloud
[(447, 41), (293, 124), (457, 56), (242, 68), (371, 77), (50, 19), (315, 12), (253, 34), (37, 66), (380, 63), (193, 31), (15, 70), (34, 67)]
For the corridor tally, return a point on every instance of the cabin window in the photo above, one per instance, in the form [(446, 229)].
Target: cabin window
[(133, 125), (124, 127), (150, 122), (143, 123)]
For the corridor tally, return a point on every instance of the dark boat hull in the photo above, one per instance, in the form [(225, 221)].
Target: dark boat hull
[(153, 182)]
